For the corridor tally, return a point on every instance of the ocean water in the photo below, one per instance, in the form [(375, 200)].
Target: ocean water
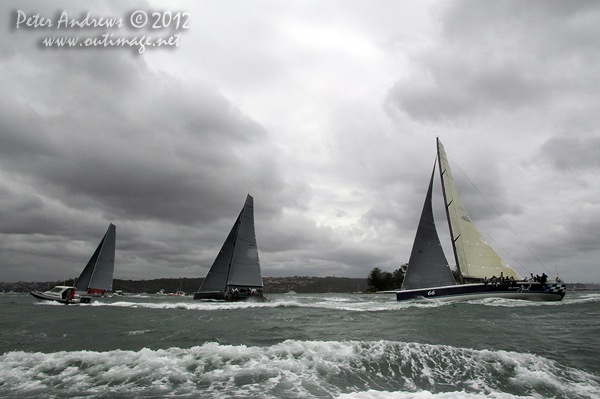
[(300, 346)]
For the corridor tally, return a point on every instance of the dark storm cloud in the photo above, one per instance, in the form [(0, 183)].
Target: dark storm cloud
[(286, 103), (91, 137), (155, 154)]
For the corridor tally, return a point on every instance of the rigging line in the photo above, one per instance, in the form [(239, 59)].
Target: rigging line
[(498, 244), (505, 222)]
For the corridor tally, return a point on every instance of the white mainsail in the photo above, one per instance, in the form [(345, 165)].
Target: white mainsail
[(474, 257)]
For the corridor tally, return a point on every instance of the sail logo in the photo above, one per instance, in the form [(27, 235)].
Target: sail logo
[(523, 288), (466, 218)]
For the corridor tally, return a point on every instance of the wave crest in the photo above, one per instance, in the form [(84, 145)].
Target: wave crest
[(347, 369)]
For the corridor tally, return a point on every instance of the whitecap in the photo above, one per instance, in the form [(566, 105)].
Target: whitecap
[(372, 394), (292, 368)]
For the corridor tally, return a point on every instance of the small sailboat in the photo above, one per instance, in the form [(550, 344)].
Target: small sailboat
[(95, 279), (482, 272), (97, 276), (235, 273)]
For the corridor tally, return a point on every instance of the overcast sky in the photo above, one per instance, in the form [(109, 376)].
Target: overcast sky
[(326, 112)]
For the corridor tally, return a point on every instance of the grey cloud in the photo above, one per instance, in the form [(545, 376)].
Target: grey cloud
[(572, 153), (88, 137), (500, 56), (167, 144), (172, 150), (458, 90)]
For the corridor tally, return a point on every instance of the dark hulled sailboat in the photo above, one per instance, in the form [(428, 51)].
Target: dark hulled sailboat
[(428, 275), (235, 273), (97, 276)]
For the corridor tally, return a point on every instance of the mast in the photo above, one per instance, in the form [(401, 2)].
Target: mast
[(447, 207)]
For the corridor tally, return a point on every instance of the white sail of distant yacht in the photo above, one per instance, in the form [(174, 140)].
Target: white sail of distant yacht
[(235, 273), (97, 276), (428, 275)]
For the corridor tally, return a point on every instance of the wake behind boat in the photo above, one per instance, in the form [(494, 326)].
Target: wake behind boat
[(235, 273), (95, 279), (482, 272)]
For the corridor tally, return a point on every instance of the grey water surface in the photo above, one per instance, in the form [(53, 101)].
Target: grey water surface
[(300, 346)]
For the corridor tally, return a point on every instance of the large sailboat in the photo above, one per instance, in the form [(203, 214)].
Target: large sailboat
[(235, 273), (482, 273), (95, 279)]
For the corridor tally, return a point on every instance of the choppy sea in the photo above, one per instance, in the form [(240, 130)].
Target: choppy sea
[(300, 346)]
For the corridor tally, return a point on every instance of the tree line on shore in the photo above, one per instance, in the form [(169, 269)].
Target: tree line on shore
[(379, 280), (298, 284)]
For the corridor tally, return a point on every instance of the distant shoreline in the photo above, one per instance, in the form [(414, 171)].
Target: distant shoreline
[(273, 285)]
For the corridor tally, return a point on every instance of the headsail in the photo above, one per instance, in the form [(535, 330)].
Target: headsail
[(98, 273), (427, 266), (237, 263), (475, 258), (216, 279)]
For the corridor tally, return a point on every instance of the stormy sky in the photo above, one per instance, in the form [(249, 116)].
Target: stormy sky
[(326, 112)]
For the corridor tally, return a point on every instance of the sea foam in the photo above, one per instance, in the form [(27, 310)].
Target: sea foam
[(355, 303), (293, 369), (333, 303)]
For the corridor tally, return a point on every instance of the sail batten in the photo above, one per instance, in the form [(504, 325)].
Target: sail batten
[(475, 258)]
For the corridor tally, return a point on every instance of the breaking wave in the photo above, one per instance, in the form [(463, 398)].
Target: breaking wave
[(515, 303), (293, 369), (354, 303), (331, 303)]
